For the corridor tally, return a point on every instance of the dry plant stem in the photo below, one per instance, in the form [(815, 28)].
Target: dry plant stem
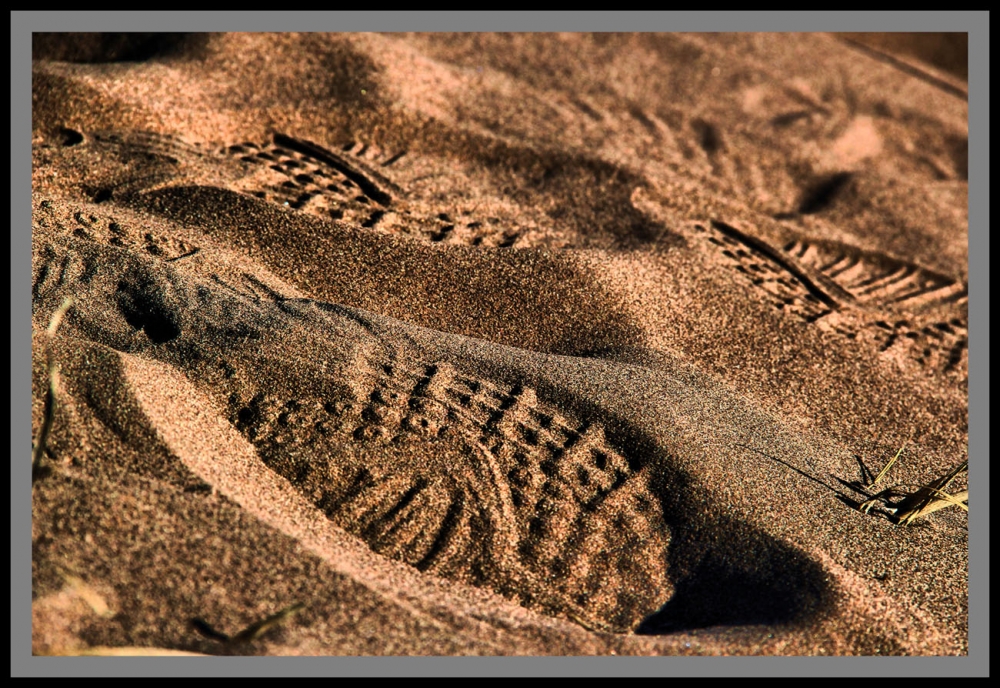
[(49, 414), (124, 652), (50, 394), (926, 500), (255, 630), (892, 461), (932, 497), (57, 316), (251, 632), (866, 506)]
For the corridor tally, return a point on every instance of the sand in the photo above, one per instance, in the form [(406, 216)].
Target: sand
[(490, 344)]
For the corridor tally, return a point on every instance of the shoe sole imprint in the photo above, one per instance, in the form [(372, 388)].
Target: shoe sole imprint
[(516, 497), (458, 476), (891, 303), (350, 185)]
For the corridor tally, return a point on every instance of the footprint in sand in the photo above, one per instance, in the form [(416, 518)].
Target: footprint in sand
[(892, 304), (453, 474), (899, 308), (461, 476), (476, 482)]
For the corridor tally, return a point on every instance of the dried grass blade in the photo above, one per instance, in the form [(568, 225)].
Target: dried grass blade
[(254, 631), (885, 469), (932, 497), (125, 652), (49, 411)]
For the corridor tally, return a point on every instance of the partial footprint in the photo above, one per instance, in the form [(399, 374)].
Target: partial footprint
[(876, 281), (897, 306), (112, 229), (790, 287), (867, 290), (351, 184)]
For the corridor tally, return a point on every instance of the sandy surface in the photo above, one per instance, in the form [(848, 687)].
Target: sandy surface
[(487, 344)]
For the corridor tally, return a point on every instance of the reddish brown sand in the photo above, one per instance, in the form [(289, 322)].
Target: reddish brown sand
[(491, 344)]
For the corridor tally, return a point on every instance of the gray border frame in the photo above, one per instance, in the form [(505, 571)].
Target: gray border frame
[(976, 23)]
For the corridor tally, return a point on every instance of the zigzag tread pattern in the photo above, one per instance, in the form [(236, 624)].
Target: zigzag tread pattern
[(856, 294), (520, 498), (351, 183)]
